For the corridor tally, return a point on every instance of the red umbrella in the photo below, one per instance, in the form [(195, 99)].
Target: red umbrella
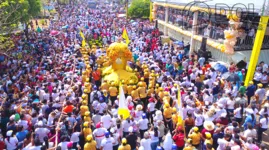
[(54, 32)]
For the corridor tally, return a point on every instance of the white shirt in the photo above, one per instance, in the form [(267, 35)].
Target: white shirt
[(264, 123), (143, 124), (262, 111), (12, 143), (106, 120), (96, 118), (41, 133), (198, 119), (75, 137), (24, 123), (151, 106), (154, 138), (126, 125), (101, 107), (33, 148), (230, 104), (250, 133), (146, 144), (223, 143), (261, 93), (107, 143), (237, 112), (63, 145)]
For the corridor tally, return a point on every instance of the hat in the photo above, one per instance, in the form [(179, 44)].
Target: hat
[(208, 135), (250, 82), (40, 123), (151, 100), (131, 129), (223, 115), (107, 134), (174, 147), (209, 125), (139, 107), (124, 141), (89, 137), (98, 125), (260, 85), (144, 116), (195, 129), (70, 144), (9, 133)]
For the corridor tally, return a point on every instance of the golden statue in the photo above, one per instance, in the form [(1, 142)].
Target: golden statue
[(118, 54)]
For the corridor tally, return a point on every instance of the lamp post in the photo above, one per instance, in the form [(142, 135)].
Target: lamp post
[(126, 7), (258, 42)]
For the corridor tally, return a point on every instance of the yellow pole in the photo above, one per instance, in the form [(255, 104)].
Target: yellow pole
[(150, 11), (256, 48)]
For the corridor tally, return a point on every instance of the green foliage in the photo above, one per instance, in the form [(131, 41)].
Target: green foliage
[(11, 13), (6, 44), (139, 9), (33, 10)]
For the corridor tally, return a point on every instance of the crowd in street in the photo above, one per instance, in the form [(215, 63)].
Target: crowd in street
[(53, 96)]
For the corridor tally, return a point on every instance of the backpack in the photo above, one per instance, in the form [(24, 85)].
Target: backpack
[(95, 95)]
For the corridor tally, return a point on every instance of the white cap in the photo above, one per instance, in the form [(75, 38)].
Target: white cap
[(131, 129), (40, 123), (9, 133), (223, 115)]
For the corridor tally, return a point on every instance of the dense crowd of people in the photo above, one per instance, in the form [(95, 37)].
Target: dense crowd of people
[(53, 96)]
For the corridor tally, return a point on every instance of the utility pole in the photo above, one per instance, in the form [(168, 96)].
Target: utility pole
[(126, 5)]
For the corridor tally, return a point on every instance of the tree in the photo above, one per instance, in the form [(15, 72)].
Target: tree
[(11, 12), (139, 9), (33, 11)]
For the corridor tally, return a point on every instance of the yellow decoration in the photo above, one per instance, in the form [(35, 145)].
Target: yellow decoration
[(118, 54)]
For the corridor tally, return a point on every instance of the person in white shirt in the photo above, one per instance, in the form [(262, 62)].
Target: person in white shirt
[(263, 126), (102, 106), (116, 136), (250, 132), (106, 120), (41, 132), (199, 119), (146, 141), (125, 126), (11, 140), (260, 93), (99, 134), (151, 108), (143, 125), (107, 143), (96, 118), (225, 141)]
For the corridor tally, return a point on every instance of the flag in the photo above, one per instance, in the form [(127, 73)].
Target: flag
[(83, 43), (125, 36), (123, 109), (180, 109)]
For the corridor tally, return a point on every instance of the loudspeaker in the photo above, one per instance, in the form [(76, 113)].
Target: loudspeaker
[(203, 44)]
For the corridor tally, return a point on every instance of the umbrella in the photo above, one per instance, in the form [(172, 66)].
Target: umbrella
[(54, 32), (231, 77), (221, 68)]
